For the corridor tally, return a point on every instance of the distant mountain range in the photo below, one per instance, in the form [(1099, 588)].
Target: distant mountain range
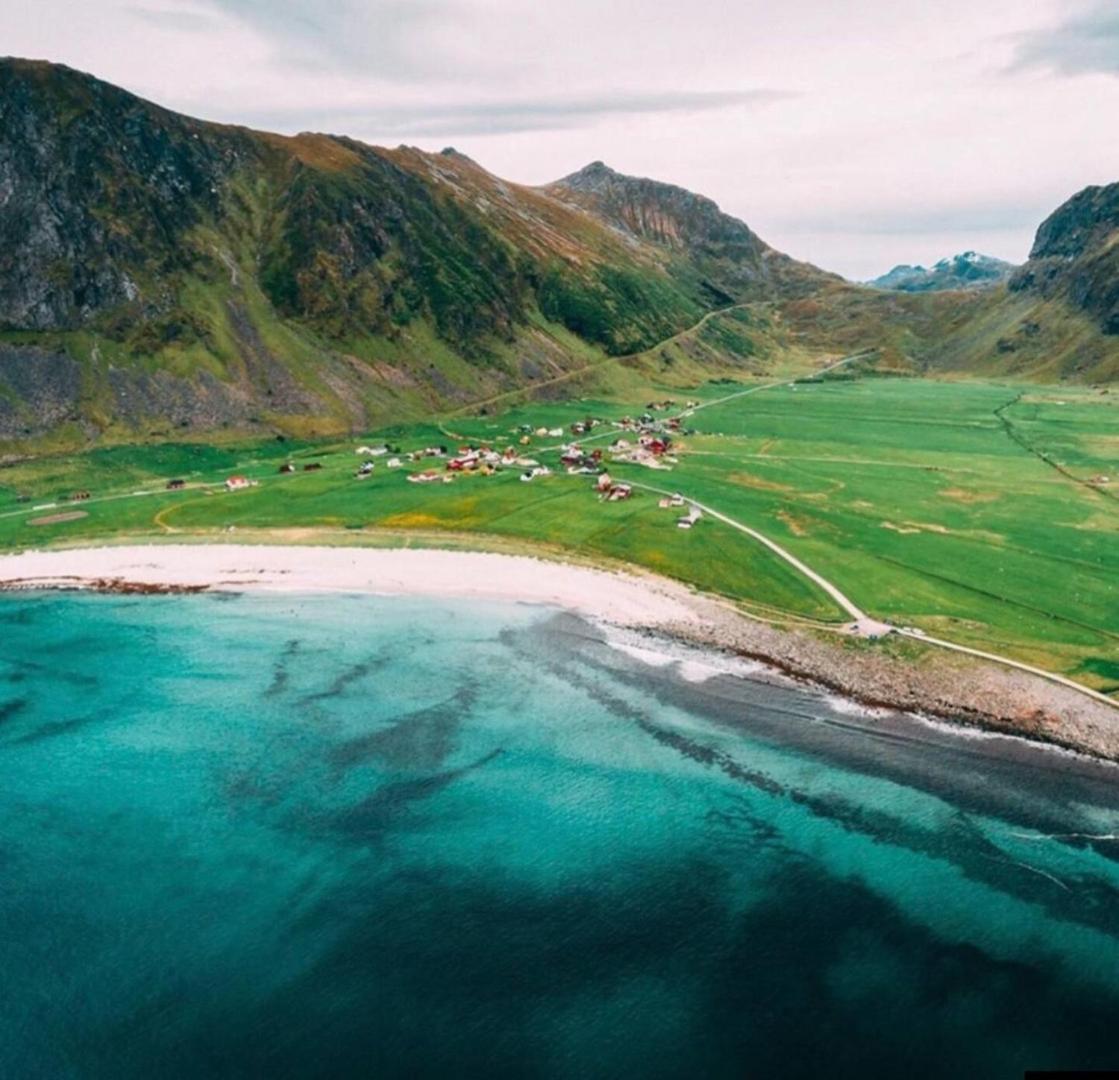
[(969, 270), (161, 275)]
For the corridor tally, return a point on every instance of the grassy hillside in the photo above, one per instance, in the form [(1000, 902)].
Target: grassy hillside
[(163, 278), (162, 274), (997, 332)]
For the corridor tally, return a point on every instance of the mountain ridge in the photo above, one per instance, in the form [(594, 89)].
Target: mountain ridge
[(161, 274), (967, 270)]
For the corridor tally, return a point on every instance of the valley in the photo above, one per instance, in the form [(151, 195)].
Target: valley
[(977, 512), (183, 301)]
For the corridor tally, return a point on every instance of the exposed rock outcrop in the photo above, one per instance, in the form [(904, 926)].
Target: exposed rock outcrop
[(1076, 256)]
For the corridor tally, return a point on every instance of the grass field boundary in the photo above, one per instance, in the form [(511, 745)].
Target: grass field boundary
[(1025, 444), (869, 625)]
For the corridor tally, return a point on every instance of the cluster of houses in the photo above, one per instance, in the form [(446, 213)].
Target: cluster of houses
[(430, 476), (652, 451), (472, 460), (527, 430), (580, 462), (584, 427), (486, 461)]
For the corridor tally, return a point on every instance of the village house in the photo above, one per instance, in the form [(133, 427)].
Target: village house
[(689, 519), (655, 444), (610, 491), (237, 483), (176, 485)]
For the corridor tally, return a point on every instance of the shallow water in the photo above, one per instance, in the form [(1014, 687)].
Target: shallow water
[(309, 836)]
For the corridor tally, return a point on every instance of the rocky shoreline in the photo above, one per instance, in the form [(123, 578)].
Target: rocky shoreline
[(930, 682), (946, 686)]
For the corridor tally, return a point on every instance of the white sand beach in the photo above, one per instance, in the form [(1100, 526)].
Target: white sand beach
[(625, 599)]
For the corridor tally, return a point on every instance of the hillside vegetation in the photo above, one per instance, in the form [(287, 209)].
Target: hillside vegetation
[(166, 278)]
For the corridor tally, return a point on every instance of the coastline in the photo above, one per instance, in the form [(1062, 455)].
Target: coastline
[(951, 687)]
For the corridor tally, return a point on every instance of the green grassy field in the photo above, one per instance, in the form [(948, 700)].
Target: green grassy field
[(976, 511)]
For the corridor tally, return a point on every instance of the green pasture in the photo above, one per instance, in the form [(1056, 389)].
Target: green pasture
[(977, 511)]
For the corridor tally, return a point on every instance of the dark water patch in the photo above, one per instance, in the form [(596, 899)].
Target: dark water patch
[(1090, 902), (251, 786), (374, 815), (452, 975), (353, 674), (17, 614), (986, 775), (684, 745), (467, 975), (11, 709), (825, 978), (423, 739), (280, 670), (57, 728), (23, 669)]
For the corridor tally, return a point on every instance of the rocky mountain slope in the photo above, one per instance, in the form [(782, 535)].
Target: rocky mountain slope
[(1075, 256), (736, 264), (969, 270), (161, 275), (170, 272)]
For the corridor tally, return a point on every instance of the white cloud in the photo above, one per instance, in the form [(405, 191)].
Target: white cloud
[(1085, 42)]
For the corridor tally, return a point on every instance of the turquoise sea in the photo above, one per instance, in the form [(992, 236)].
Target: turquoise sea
[(277, 836)]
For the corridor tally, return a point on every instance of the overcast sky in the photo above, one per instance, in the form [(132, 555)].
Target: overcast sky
[(854, 133)]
